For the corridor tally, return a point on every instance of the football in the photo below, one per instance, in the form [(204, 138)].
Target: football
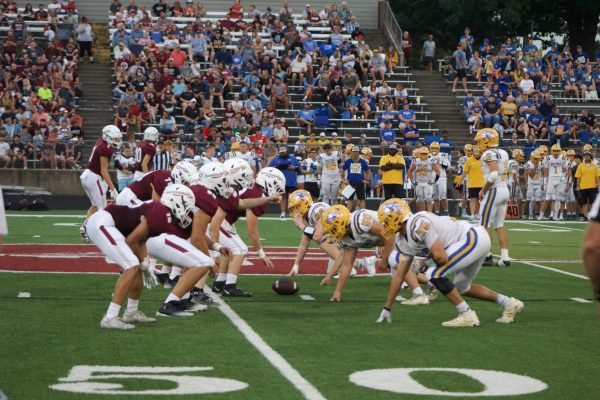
[(285, 287)]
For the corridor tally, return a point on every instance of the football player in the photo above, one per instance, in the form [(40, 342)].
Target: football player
[(152, 185), (449, 246), (96, 179), (462, 186), (514, 181), (533, 182), (554, 168), (249, 202), (328, 169), (543, 150), (145, 151), (440, 187), (425, 173), (571, 203), (494, 195)]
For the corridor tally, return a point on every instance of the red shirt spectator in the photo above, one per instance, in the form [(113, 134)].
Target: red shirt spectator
[(178, 56)]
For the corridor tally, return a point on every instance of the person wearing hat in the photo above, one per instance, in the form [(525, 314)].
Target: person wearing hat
[(391, 169), (322, 141), (290, 167), (588, 182), (356, 173), (335, 142)]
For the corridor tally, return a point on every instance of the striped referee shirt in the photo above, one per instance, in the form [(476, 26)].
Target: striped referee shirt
[(162, 160)]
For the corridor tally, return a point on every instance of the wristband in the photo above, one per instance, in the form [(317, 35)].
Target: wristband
[(387, 308), (216, 247), (309, 231), (261, 253)]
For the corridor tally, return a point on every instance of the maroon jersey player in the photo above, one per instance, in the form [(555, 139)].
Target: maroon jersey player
[(145, 152)]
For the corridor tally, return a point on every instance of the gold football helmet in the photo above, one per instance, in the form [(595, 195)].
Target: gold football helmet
[(570, 154), (423, 153), (367, 153), (535, 157), (434, 148), (518, 155), (487, 138), (392, 214), (235, 146), (543, 150), (555, 149), (335, 222), (468, 150), (299, 202)]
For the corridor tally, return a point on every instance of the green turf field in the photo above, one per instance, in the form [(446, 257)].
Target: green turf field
[(554, 340)]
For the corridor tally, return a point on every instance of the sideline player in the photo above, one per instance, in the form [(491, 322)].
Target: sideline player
[(440, 187), (145, 151), (533, 181), (222, 225), (423, 169), (554, 168), (571, 202), (96, 179), (494, 195), (462, 186), (450, 247), (328, 169), (514, 178)]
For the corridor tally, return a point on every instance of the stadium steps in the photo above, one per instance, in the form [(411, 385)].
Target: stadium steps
[(102, 42), (96, 103), (443, 105)]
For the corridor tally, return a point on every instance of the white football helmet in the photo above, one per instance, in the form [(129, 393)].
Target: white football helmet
[(112, 136), (185, 173), (315, 212), (151, 134), (213, 176), (271, 180), (181, 201), (240, 173)]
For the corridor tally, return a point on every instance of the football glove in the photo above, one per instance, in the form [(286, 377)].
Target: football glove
[(385, 316), (113, 194), (150, 280)]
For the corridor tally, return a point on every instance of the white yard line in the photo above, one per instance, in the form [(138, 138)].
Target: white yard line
[(532, 264), (306, 297), (557, 225), (45, 216), (580, 300), (285, 368)]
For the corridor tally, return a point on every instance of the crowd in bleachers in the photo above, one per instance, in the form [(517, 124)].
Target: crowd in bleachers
[(40, 125), (220, 77), (527, 90)]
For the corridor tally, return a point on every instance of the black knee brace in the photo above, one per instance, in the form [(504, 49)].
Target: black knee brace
[(443, 284)]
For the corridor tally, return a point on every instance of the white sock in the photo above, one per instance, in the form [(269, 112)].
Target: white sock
[(552, 214), (172, 297), (501, 299), (175, 272), (132, 306), (489, 254), (113, 311), (221, 277), (504, 254), (231, 279), (185, 296), (417, 291), (462, 307), (531, 207), (330, 264), (165, 269)]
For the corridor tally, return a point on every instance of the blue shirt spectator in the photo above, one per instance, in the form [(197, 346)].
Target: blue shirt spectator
[(290, 167), (356, 169), (327, 49), (387, 133)]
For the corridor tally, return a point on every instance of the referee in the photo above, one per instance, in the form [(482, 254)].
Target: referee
[(163, 159)]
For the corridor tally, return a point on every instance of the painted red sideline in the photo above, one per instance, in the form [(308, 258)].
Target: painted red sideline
[(87, 258)]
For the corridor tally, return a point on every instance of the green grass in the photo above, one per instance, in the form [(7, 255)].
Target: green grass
[(554, 340)]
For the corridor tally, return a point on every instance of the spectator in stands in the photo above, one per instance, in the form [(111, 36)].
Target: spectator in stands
[(411, 138), (407, 47), (280, 132), (377, 65), (4, 151), (406, 116), (571, 85), (191, 115), (467, 41), (306, 118), (167, 124), (337, 102), (460, 65), (491, 112), (428, 53), (509, 113), (387, 136), (476, 66), (17, 152)]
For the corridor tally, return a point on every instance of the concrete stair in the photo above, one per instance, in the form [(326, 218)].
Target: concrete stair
[(101, 42), (96, 103), (445, 108)]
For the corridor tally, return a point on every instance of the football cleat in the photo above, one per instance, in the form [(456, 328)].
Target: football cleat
[(370, 265), (172, 309), (400, 299), (510, 311), (503, 263), (468, 318), (137, 316), (161, 277), (488, 262), (171, 283), (115, 323), (233, 291), (419, 300), (217, 286), (84, 236), (205, 299), (433, 294), (192, 306)]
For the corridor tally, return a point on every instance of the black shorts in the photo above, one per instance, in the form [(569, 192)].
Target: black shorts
[(290, 189), (587, 196), (393, 190), (313, 189), (474, 193), (461, 73), (359, 193)]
